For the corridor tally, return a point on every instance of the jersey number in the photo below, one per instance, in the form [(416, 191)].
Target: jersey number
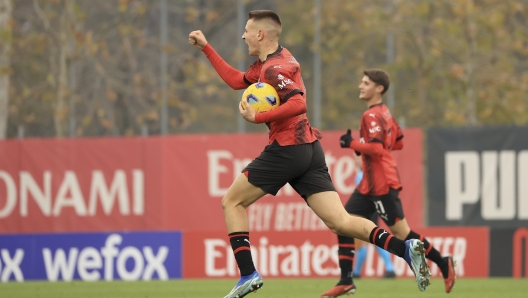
[(379, 207)]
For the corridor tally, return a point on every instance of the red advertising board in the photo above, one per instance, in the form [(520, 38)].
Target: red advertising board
[(314, 254), (468, 245), (164, 183), (200, 169), (57, 185)]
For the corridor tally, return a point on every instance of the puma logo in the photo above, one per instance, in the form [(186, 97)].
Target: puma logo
[(384, 232)]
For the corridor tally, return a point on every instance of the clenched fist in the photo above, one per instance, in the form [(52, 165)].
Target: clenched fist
[(197, 39)]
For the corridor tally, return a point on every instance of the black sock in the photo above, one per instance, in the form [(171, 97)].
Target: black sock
[(431, 253), (387, 241), (241, 250), (346, 252)]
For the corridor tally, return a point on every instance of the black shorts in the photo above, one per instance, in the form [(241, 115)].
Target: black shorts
[(388, 207), (374, 218), (303, 166)]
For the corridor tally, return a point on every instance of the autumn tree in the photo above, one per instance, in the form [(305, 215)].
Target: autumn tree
[(5, 53), (93, 68)]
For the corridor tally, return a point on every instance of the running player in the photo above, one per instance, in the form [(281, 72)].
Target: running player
[(379, 189), (294, 155)]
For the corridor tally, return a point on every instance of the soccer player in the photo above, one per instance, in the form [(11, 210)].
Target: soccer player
[(379, 189), (294, 155)]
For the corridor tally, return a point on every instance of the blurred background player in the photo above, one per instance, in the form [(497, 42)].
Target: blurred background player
[(380, 186), (361, 246), (294, 155)]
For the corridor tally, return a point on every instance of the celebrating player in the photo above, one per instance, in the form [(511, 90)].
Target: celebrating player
[(380, 186), (294, 155)]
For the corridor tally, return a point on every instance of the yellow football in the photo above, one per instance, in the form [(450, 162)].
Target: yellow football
[(261, 96)]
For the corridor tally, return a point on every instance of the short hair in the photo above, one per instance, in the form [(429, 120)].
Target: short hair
[(378, 76), (258, 15)]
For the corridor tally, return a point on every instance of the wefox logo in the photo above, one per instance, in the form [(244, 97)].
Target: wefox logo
[(88, 261), (11, 265)]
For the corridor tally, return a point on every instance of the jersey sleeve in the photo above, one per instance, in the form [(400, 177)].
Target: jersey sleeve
[(252, 74), (233, 77), (294, 107), (397, 136), (282, 78)]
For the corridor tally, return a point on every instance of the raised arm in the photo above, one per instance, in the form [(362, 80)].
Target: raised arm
[(233, 77)]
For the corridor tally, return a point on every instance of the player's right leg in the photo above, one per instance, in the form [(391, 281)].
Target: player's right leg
[(385, 255), (328, 207), (395, 219), (241, 195), (445, 264)]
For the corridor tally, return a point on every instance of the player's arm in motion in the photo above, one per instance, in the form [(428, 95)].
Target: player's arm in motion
[(398, 144), (237, 80), (233, 77)]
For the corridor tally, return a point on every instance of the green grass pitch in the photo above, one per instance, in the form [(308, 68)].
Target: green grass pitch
[(273, 288)]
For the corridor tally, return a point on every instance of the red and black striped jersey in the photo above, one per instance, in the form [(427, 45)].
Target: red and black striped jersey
[(379, 170), (283, 72)]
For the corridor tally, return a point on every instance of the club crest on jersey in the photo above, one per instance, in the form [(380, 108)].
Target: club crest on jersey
[(373, 123)]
